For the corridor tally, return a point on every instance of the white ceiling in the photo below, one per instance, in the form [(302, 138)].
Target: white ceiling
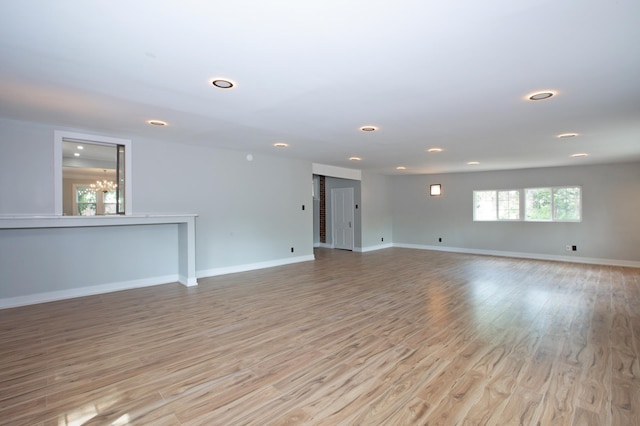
[(428, 73)]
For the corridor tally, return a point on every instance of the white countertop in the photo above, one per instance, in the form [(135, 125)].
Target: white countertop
[(53, 221)]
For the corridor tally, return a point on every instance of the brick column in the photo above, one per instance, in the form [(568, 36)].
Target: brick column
[(323, 213)]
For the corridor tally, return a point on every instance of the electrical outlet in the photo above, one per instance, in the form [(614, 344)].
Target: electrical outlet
[(574, 248), (382, 239), (291, 249), (440, 239)]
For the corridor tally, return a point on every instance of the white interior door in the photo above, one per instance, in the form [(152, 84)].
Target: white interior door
[(342, 218)]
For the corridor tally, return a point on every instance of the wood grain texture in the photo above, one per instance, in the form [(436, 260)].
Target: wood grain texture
[(396, 336)]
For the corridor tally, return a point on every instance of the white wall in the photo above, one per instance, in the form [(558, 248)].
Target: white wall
[(62, 261), (610, 228), (376, 211), (26, 168), (250, 213)]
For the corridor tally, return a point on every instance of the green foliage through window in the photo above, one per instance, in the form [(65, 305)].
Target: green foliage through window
[(90, 202), (86, 201), (567, 204), (538, 204)]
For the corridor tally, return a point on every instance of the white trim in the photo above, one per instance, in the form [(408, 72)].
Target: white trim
[(373, 248), (51, 296), (533, 256), (49, 221), (186, 281), (252, 266), (325, 245), (333, 171), (60, 135), (57, 172)]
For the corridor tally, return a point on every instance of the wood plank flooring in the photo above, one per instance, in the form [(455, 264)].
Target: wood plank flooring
[(392, 337)]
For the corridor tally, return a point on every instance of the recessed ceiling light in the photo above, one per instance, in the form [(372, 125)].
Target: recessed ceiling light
[(368, 128), (75, 154), (280, 145), (567, 135), (355, 158), (473, 163), (157, 122), (223, 83), (80, 147), (580, 154), (401, 168), (434, 150), (538, 96)]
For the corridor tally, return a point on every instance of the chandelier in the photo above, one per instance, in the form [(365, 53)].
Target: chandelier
[(103, 185)]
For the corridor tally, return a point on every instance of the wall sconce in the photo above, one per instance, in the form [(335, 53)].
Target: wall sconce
[(435, 189)]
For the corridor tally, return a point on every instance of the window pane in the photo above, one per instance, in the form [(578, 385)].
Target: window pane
[(566, 203), (538, 204), (109, 197), (484, 205), (96, 154), (109, 208), (109, 202), (508, 205), (86, 209), (86, 195)]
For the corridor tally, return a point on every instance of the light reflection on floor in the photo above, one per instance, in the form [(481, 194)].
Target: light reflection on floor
[(84, 414), (79, 416)]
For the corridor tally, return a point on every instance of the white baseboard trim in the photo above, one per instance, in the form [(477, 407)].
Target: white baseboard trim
[(252, 266), (31, 299), (373, 248), (51, 296), (520, 255), (187, 282), (325, 245)]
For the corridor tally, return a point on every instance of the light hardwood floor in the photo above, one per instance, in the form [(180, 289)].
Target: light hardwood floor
[(392, 337)]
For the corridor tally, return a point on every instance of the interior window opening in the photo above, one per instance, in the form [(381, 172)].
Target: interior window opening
[(92, 175)]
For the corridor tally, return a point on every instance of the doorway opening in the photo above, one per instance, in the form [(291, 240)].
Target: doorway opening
[(336, 221)]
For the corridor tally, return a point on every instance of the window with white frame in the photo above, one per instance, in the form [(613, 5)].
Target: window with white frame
[(75, 152), (550, 204), (559, 204), (496, 205), (89, 202)]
